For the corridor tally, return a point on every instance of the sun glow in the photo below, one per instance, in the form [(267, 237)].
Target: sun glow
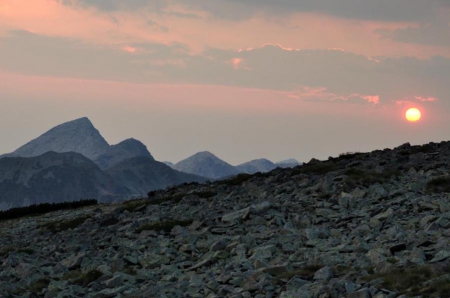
[(413, 115)]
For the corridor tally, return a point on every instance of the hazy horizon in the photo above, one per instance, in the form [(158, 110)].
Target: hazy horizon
[(243, 80)]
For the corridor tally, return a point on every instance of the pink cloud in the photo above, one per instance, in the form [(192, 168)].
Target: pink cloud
[(322, 94), (426, 98), (52, 18), (236, 62), (129, 49), (375, 99)]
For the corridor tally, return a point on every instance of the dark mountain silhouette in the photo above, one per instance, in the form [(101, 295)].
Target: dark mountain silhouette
[(53, 178), (122, 151), (139, 175)]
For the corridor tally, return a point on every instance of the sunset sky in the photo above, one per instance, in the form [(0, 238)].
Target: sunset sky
[(243, 79)]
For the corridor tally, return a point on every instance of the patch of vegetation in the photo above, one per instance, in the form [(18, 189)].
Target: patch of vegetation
[(427, 148), (349, 155), (367, 178), (130, 271), (165, 226), (132, 205), (325, 196), (315, 169), (28, 251), (438, 185), (341, 269), (236, 180), (5, 251), (410, 281), (9, 249), (43, 208), (88, 277), (71, 275), (58, 226), (205, 194), (172, 199), (392, 260), (38, 285), (306, 272)]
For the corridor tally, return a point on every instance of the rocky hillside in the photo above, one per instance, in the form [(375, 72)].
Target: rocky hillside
[(371, 225), (53, 178), (207, 165)]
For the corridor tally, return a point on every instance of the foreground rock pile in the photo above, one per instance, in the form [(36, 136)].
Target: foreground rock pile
[(361, 225)]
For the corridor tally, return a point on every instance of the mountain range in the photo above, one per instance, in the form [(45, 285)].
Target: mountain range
[(210, 166), (72, 161)]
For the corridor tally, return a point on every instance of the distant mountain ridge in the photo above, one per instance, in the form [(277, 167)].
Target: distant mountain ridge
[(257, 165), (72, 161), (288, 163), (139, 175), (207, 165), (54, 178)]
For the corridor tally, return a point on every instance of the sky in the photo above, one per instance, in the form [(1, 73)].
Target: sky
[(241, 79)]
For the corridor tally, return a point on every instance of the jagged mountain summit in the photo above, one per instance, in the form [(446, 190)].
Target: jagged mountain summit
[(371, 225), (54, 178), (139, 175), (124, 150), (207, 165), (74, 136), (257, 165)]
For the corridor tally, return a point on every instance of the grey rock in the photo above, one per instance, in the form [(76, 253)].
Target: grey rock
[(325, 273), (363, 293), (73, 261)]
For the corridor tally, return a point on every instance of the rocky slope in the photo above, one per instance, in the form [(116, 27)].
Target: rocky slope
[(74, 136), (257, 165), (207, 165), (139, 175), (51, 178), (371, 225)]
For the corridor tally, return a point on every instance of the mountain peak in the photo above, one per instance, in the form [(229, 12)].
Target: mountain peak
[(78, 135), (207, 165), (256, 165), (117, 153)]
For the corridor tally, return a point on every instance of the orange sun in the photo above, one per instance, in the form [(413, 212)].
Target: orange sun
[(413, 115)]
